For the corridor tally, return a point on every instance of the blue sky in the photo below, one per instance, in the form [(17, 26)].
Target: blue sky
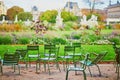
[(48, 4)]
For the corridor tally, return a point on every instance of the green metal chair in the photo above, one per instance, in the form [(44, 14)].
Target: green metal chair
[(92, 62), (81, 68), (51, 57), (117, 51), (47, 47), (33, 52), (69, 52), (22, 55), (77, 54), (10, 60)]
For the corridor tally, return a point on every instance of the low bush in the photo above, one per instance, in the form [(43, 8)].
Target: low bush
[(5, 40), (58, 41), (23, 40)]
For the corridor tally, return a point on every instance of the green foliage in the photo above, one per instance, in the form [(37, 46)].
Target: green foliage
[(68, 25), (23, 40), (94, 37), (116, 40), (13, 11), (49, 15), (58, 41), (5, 40), (24, 16), (68, 16), (98, 16)]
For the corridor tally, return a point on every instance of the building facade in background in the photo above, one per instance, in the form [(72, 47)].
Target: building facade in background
[(113, 12), (73, 7)]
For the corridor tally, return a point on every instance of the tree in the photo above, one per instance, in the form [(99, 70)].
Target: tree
[(13, 11), (24, 16), (68, 16), (92, 4), (49, 15)]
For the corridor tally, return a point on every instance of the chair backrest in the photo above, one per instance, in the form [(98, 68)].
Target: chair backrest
[(22, 52), (76, 44), (99, 57), (47, 47), (55, 51), (117, 51), (69, 49), (11, 58), (33, 48)]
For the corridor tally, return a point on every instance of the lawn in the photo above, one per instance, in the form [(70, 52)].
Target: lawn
[(84, 49)]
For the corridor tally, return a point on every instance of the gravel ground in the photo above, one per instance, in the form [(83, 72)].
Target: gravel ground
[(107, 70)]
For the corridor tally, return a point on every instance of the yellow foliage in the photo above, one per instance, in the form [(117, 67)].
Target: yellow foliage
[(10, 27)]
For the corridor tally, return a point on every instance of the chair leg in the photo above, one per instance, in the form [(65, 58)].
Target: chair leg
[(57, 65), (26, 64), (63, 65), (19, 68), (48, 67), (14, 67), (44, 62), (29, 62), (90, 71), (1, 70), (98, 70), (36, 67), (118, 71), (84, 75), (67, 74)]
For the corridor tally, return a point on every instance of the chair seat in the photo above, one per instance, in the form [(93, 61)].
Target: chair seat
[(33, 56), (75, 69), (66, 57), (76, 54), (88, 63), (47, 58), (50, 54)]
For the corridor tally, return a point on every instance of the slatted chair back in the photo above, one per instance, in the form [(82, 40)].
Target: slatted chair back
[(69, 49), (33, 48), (22, 52), (99, 57), (47, 47), (55, 51), (11, 58), (76, 44)]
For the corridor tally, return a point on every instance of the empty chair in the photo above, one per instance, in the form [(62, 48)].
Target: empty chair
[(47, 47), (51, 57), (80, 68), (77, 54), (69, 52), (10, 60), (22, 55), (117, 51), (33, 52), (92, 62)]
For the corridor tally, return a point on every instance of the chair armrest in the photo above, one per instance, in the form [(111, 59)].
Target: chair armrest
[(95, 54)]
